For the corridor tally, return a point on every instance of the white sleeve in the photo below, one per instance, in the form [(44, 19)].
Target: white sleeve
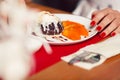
[(79, 7), (84, 8)]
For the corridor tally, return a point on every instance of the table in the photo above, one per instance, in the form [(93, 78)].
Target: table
[(55, 69)]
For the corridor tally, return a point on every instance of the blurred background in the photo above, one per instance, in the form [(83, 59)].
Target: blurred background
[(66, 5)]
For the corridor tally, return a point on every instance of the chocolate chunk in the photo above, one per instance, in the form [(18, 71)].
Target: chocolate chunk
[(55, 32), (50, 32), (42, 29), (59, 27), (51, 27)]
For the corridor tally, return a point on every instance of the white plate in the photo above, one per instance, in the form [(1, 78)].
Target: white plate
[(57, 40)]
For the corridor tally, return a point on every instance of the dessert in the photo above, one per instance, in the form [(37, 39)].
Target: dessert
[(49, 24), (73, 30)]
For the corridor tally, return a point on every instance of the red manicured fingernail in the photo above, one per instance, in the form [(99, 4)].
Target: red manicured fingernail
[(103, 34), (113, 34), (93, 23), (99, 28), (93, 16)]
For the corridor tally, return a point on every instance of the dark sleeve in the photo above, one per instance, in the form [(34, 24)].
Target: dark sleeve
[(67, 5)]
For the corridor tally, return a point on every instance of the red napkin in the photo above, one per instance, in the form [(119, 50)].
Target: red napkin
[(44, 60)]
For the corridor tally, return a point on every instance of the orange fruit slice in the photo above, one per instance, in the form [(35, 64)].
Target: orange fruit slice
[(74, 30)]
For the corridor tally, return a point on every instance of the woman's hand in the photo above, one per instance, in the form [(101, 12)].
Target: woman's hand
[(107, 20)]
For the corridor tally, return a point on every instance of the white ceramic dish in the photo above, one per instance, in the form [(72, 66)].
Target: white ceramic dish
[(61, 40)]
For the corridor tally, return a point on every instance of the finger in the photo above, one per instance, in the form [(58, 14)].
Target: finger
[(116, 31), (94, 13), (107, 20), (100, 16), (111, 27)]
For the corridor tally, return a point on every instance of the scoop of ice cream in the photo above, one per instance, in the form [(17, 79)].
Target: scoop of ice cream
[(49, 24)]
